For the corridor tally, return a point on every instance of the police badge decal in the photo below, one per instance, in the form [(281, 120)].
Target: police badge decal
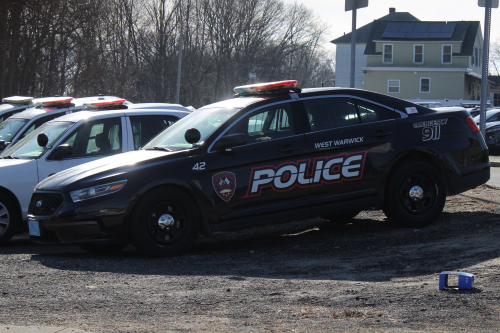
[(224, 185)]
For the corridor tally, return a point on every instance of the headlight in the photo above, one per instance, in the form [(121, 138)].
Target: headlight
[(96, 191)]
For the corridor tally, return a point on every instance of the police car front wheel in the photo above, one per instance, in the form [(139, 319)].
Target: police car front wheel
[(415, 194), (165, 223)]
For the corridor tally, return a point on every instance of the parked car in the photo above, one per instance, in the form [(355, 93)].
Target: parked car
[(272, 154), (492, 138), (65, 142), (14, 104), (23, 123), (491, 115)]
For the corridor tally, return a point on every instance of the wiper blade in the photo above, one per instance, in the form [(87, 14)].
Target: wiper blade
[(160, 148)]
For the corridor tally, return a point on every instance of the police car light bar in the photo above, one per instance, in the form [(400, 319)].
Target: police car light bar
[(17, 99), (265, 87), (105, 103), (51, 101)]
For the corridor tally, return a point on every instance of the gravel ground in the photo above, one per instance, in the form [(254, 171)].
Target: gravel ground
[(305, 276)]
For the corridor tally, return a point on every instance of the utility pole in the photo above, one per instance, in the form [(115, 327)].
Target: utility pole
[(487, 4), (354, 5), (179, 66)]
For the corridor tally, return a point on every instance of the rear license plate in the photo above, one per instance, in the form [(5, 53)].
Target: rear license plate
[(34, 228)]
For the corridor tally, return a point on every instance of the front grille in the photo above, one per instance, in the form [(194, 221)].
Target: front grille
[(48, 204)]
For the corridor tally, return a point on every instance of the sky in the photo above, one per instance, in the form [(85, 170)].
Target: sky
[(333, 13)]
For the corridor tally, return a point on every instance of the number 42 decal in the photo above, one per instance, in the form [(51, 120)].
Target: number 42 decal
[(199, 166)]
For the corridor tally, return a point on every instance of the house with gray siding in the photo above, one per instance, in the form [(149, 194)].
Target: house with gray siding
[(413, 59)]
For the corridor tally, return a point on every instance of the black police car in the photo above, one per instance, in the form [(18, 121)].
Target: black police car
[(273, 153)]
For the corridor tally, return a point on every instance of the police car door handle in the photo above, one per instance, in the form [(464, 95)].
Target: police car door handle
[(380, 134), (288, 149)]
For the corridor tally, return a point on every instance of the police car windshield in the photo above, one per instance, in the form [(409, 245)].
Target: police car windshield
[(10, 127), (28, 147), (204, 120)]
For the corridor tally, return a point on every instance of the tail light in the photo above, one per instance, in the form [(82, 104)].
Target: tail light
[(472, 124)]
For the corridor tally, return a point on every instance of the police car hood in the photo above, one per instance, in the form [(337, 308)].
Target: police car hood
[(102, 170)]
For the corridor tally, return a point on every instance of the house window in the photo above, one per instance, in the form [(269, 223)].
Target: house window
[(387, 56), (418, 54), (393, 86), (425, 84), (446, 58)]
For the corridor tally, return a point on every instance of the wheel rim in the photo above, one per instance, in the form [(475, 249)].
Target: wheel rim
[(167, 223), (4, 219), (417, 194)]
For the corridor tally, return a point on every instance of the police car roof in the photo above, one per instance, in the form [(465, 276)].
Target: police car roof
[(77, 116), (10, 107), (33, 112)]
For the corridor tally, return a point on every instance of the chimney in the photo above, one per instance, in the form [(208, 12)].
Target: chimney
[(392, 10)]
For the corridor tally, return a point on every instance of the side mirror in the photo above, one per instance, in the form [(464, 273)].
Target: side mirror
[(3, 144), (42, 139), (192, 135), (61, 152), (230, 141)]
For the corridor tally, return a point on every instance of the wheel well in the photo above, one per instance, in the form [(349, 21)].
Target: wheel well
[(13, 197), (420, 156), (205, 229)]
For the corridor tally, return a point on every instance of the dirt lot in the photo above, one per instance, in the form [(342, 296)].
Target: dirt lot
[(307, 276)]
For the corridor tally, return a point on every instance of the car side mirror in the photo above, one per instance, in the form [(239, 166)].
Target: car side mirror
[(42, 139), (3, 144), (192, 135), (61, 152), (229, 141)]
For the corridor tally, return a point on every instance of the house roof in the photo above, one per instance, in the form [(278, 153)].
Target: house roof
[(363, 33), (465, 32)]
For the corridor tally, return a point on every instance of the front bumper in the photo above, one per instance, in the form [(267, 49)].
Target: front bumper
[(99, 220)]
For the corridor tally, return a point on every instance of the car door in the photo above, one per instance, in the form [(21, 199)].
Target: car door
[(90, 141), (263, 176), (350, 141)]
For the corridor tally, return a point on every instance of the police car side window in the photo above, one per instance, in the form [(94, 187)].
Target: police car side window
[(144, 128), (100, 137), (372, 112), (327, 113), (270, 123)]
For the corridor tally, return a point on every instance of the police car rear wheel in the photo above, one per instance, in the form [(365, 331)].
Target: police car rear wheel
[(165, 223), (9, 218), (415, 195)]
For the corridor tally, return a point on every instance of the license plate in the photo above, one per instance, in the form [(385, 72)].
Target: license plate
[(34, 228)]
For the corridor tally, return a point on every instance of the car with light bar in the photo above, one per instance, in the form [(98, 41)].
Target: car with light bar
[(14, 104), (273, 153), (68, 141)]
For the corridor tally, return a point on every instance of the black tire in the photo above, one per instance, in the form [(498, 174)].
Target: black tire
[(175, 233), (103, 248), (415, 194), (344, 217), (9, 219)]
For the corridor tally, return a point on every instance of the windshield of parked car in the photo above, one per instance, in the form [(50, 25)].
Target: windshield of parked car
[(28, 147), (10, 127), (204, 120), (489, 114)]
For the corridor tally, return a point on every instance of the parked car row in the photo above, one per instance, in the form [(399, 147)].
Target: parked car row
[(273, 153), (60, 132)]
